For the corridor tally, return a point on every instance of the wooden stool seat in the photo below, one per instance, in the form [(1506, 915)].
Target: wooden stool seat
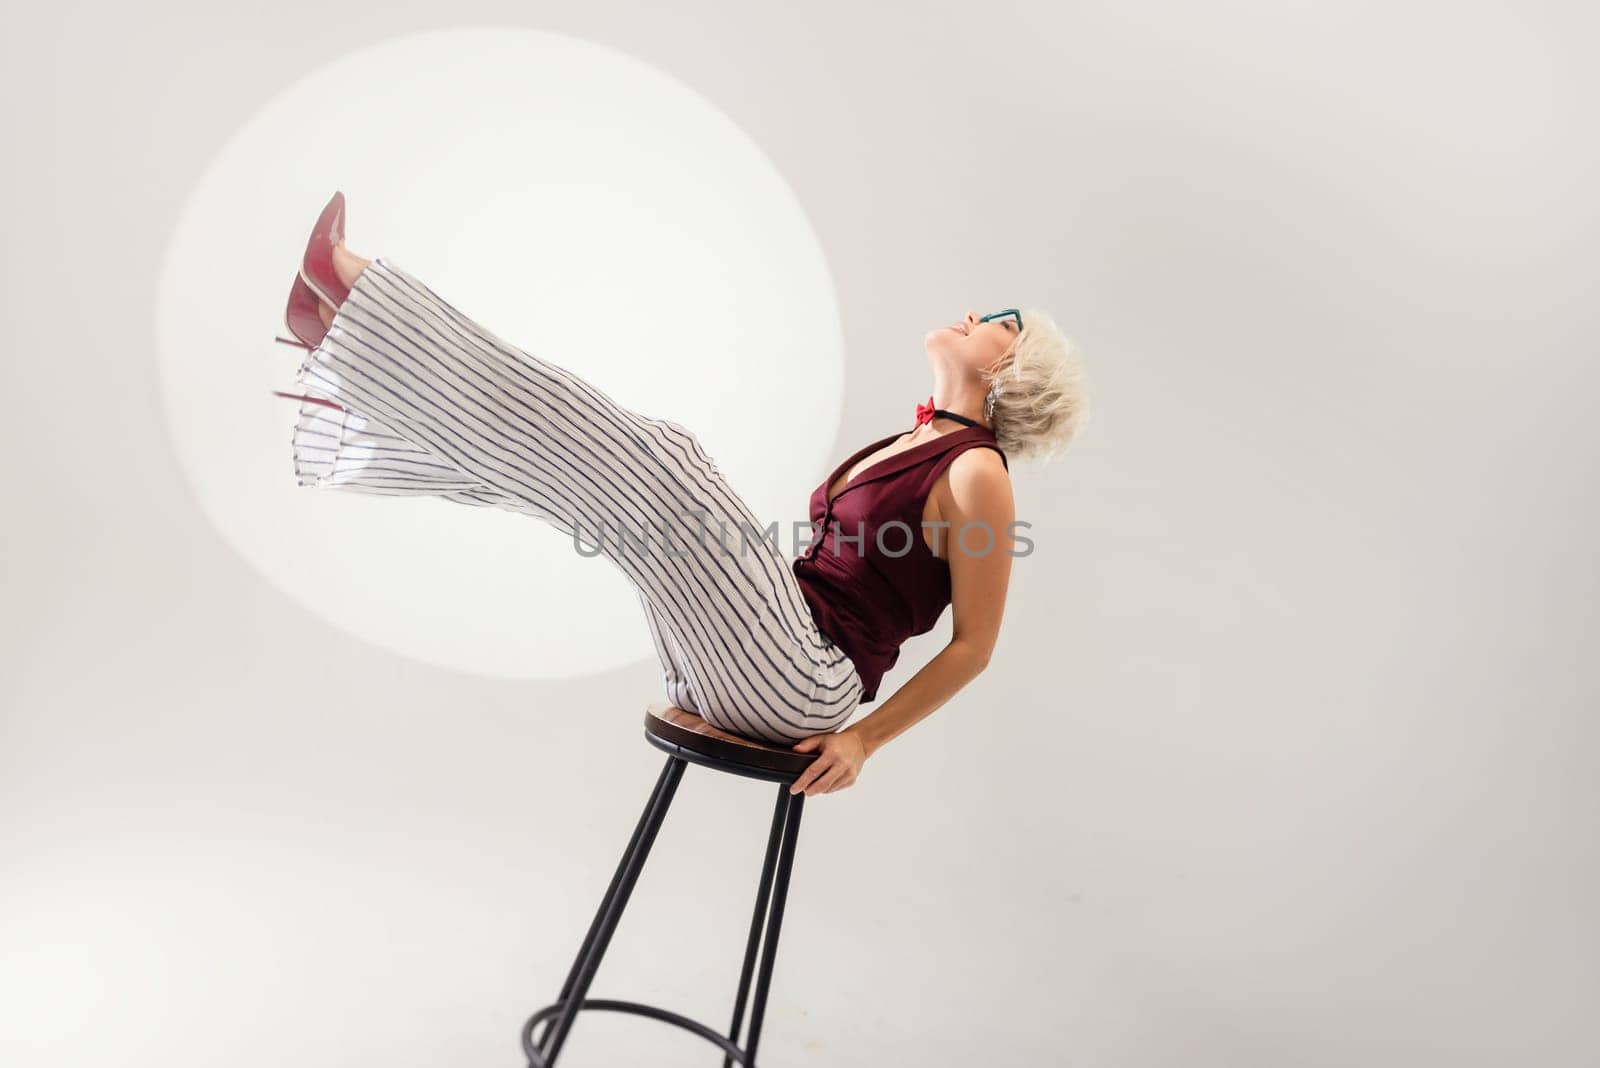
[(682, 733)]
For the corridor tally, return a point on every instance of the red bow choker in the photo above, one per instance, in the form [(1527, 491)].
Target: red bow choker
[(926, 413)]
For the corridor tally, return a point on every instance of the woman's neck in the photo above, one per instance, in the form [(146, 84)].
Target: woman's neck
[(961, 396)]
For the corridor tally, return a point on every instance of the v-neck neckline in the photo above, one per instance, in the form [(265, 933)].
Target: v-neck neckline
[(900, 459)]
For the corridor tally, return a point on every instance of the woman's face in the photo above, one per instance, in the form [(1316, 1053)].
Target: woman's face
[(968, 343)]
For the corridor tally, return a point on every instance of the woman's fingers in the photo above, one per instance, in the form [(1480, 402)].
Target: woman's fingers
[(827, 773), (815, 779), (829, 780), (834, 781), (809, 776)]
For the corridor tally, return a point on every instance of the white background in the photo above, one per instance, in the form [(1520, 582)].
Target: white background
[(1285, 757)]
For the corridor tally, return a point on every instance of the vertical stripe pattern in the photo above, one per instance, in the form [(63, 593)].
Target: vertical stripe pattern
[(437, 405)]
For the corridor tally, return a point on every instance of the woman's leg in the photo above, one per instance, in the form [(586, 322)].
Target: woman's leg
[(345, 450), (437, 404), (676, 672)]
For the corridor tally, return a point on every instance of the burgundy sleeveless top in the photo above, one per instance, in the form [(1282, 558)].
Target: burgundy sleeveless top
[(869, 577)]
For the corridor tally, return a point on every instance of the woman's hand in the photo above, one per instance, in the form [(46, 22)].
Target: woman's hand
[(840, 755)]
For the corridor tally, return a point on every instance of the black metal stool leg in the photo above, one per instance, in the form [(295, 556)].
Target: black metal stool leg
[(610, 911), (763, 896), (769, 950)]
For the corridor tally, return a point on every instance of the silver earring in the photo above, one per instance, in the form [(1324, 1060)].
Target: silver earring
[(988, 401)]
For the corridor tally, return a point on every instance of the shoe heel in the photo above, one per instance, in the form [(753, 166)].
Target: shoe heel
[(313, 400)]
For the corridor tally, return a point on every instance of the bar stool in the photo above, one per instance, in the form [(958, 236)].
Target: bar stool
[(688, 739)]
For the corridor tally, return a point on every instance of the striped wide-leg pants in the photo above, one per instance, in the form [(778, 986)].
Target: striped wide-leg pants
[(434, 404)]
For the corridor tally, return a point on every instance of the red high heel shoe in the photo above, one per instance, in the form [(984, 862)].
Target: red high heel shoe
[(316, 283), (316, 279), (316, 266), (303, 317)]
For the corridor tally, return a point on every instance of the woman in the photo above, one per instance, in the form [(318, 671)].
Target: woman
[(405, 395)]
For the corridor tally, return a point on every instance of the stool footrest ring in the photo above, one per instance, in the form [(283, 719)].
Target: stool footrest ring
[(536, 1059)]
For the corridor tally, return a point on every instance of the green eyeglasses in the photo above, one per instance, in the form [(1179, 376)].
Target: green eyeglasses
[(1014, 313)]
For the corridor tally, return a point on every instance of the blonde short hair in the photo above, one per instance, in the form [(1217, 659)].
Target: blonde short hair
[(1040, 403)]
